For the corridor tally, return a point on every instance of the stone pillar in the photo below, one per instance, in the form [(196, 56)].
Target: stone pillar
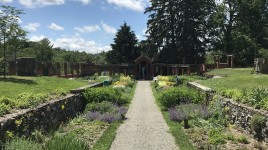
[(189, 71), (39, 69), (216, 61), (65, 69), (12, 68), (58, 69), (99, 71), (72, 69), (161, 70), (50, 68)]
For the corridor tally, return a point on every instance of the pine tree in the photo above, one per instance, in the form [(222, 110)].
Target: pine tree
[(179, 29), (124, 49)]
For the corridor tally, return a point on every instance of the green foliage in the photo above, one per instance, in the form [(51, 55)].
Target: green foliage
[(257, 122), (182, 38), (102, 107), (22, 144), (124, 49), (216, 136), (217, 118), (67, 141), (176, 96), (26, 100), (242, 139), (4, 109), (104, 94)]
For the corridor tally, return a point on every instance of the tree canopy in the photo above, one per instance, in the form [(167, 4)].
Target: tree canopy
[(124, 48)]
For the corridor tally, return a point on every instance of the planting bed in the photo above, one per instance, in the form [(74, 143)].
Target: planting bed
[(205, 126), (104, 111)]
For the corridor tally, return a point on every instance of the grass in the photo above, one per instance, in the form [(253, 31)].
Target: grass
[(175, 128), (14, 85), (104, 143), (238, 78)]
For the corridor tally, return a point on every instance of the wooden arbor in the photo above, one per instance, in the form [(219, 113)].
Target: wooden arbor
[(143, 68)]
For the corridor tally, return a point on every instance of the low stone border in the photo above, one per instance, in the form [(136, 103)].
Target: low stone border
[(47, 116), (82, 89), (240, 114)]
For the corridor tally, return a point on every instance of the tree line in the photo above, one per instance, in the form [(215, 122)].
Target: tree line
[(184, 31), (181, 31)]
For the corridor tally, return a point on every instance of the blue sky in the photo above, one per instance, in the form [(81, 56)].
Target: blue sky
[(85, 25)]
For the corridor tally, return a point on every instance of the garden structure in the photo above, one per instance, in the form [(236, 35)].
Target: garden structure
[(143, 68)]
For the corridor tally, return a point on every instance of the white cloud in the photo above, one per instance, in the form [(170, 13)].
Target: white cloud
[(6, 1), (37, 38), (85, 29), (85, 2), (54, 26), (108, 29), (40, 3), (136, 5), (78, 43), (32, 26)]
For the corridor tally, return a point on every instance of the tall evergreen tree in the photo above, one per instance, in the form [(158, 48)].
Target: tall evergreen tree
[(179, 29), (124, 49)]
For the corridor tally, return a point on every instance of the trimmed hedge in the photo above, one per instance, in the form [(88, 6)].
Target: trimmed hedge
[(101, 94), (179, 95)]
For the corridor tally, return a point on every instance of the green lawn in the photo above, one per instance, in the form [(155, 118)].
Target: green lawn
[(238, 78), (13, 86)]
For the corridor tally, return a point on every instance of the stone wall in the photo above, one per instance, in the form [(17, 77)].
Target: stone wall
[(241, 115), (46, 117)]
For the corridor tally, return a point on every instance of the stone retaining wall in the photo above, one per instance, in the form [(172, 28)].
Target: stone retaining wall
[(45, 117), (241, 114)]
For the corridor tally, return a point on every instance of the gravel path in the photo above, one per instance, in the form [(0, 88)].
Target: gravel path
[(145, 128)]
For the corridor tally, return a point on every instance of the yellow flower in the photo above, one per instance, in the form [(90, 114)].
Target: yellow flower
[(62, 107), (9, 134), (18, 122)]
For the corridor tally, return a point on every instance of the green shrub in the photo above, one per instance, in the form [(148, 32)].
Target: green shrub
[(242, 139), (27, 100), (102, 107), (104, 94), (176, 96), (4, 109), (257, 122), (216, 136), (65, 142), (6, 105), (7, 101), (22, 144), (230, 137)]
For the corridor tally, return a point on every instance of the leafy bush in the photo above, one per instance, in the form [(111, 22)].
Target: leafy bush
[(102, 107), (242, 139), (26, 100), (216, 136), (4, 109), (104, 94), (188, 111), (217, 112), (105, 111), (62, 142), (257, 122), (6, 105), (21, 143), (176, 96)]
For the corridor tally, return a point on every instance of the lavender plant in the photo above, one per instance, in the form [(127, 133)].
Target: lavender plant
[(105, 111)]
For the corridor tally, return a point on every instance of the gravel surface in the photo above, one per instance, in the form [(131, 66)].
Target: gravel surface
[(145, 127)]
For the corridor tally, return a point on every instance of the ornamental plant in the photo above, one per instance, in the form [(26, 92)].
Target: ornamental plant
[(101, 94), (178, 95)]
